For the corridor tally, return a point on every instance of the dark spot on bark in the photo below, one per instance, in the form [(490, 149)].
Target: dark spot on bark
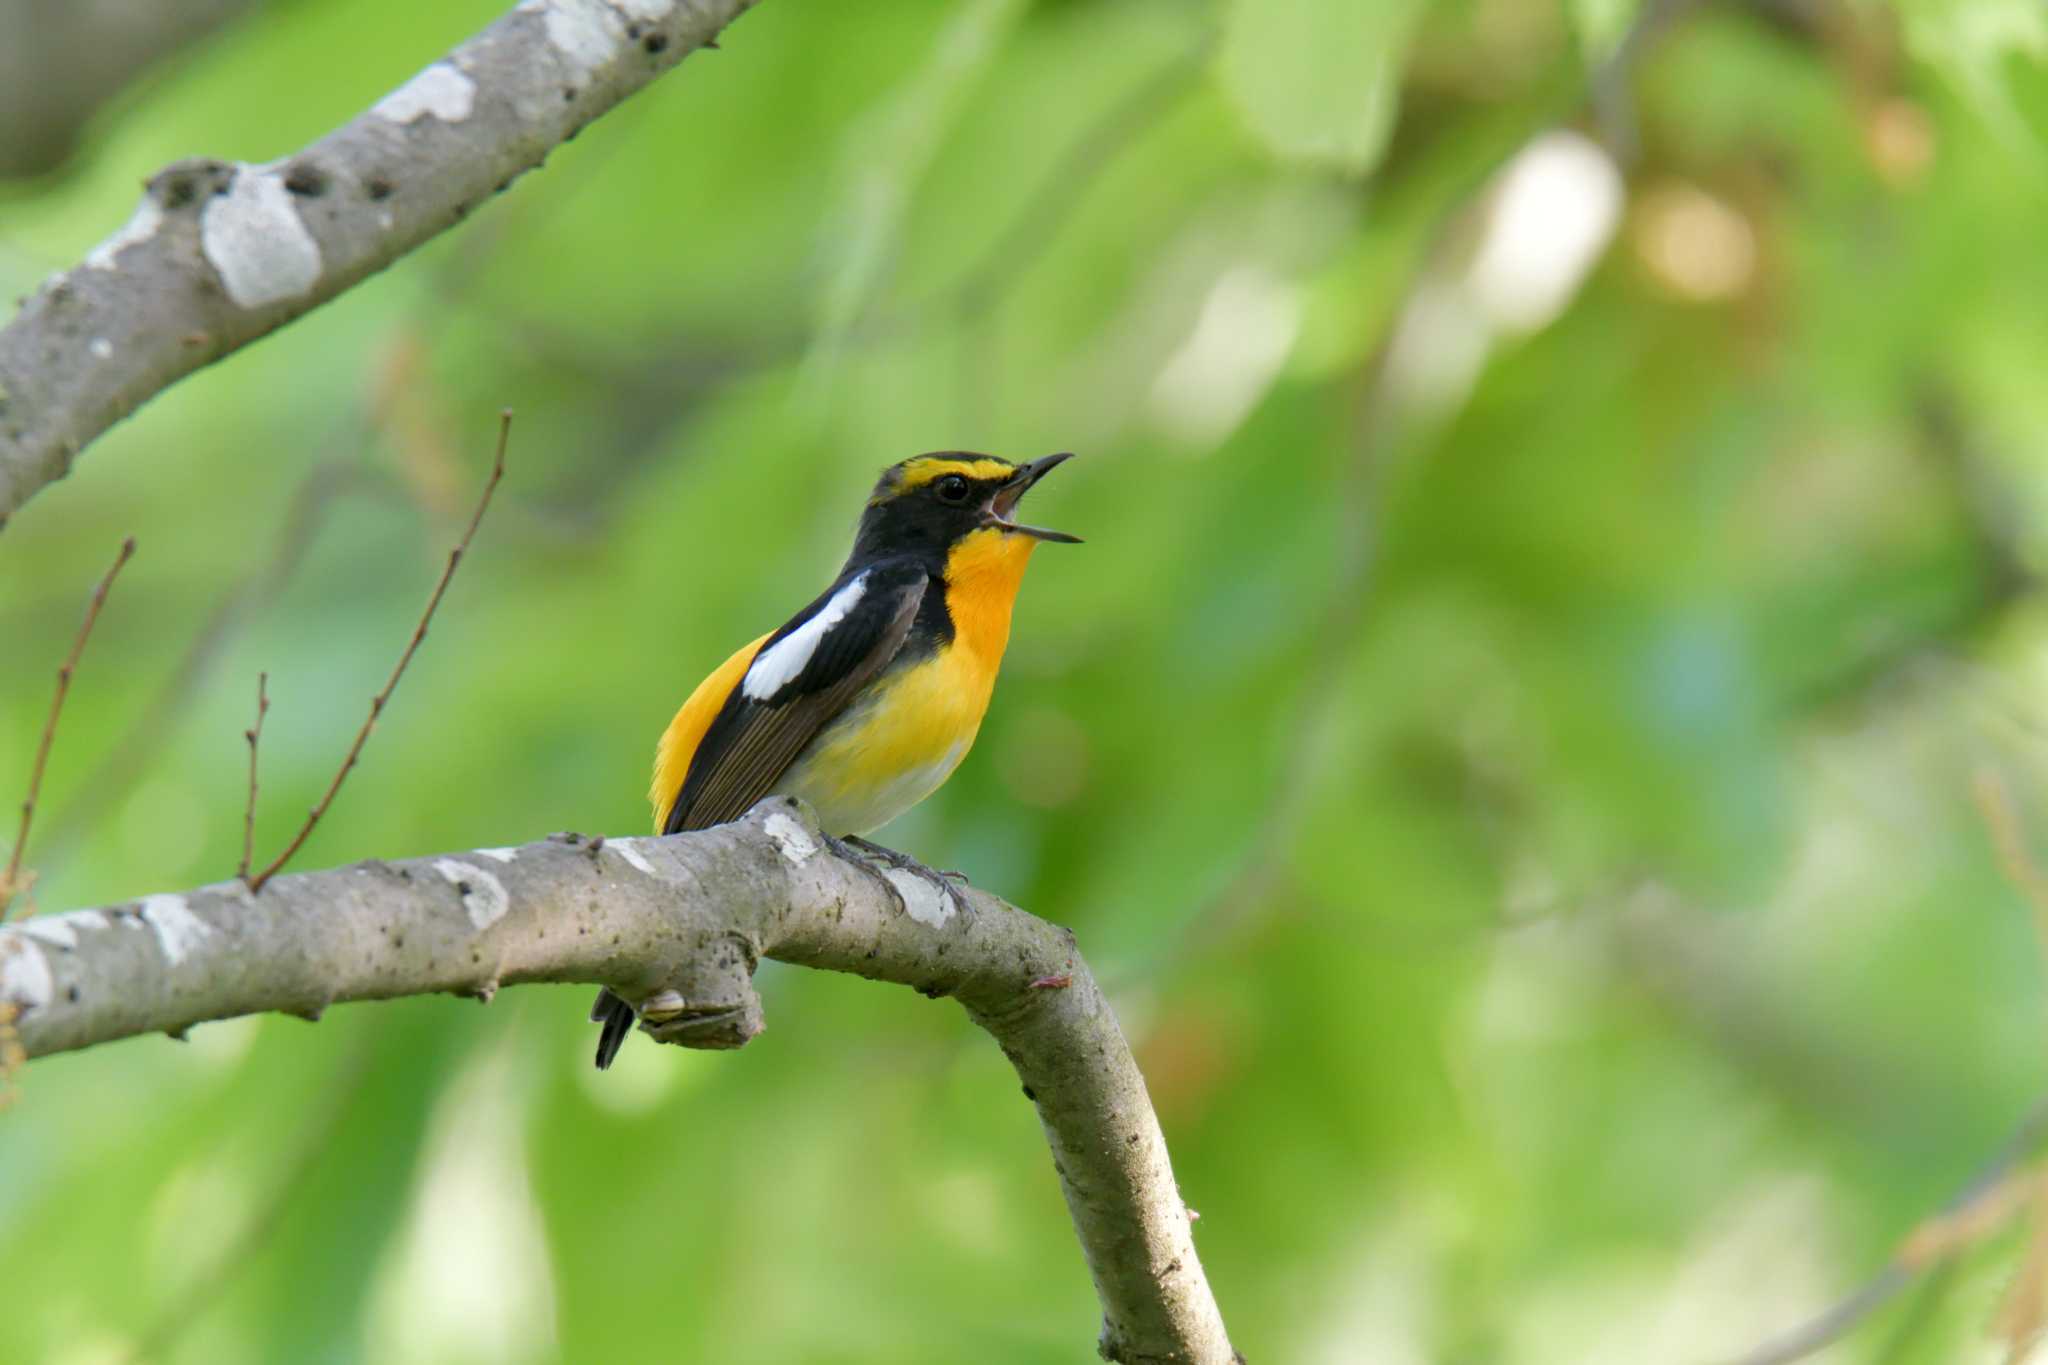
[(654, 44), (185, 183), (377, 187), (71, 994), (306, 180), (1131, 1141), (398, 940), (462, 888), (568, 94), (1030, 1094), (633, 31)]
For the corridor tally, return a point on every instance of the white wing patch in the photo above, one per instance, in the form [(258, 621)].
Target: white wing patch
[(785, 659)]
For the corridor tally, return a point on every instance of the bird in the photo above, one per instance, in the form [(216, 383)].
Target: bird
[(864, 702)]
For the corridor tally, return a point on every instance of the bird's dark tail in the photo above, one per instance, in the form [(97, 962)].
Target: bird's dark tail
[(617, 1017)]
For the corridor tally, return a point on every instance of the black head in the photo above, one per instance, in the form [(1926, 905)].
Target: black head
[(929, 502)]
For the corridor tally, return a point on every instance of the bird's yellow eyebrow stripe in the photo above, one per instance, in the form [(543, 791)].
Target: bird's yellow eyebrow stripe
[(922, 472)]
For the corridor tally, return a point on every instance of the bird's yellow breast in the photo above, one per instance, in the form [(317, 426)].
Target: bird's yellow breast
[(904, 736)]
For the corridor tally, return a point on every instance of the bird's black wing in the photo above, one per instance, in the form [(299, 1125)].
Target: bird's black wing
[(827, 653), (754, 738)]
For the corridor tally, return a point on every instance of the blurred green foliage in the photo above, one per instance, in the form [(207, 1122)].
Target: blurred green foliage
[(1513, 760)]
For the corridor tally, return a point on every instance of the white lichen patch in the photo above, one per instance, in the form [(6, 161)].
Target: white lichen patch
[(61, 931), (51, 929), (798, 844), (101, 348), (502, 855), (586, 33), (178, 931), (440, 90), (922, 901), (627, 849), (140, 227), (24, 973), (255, 239), (483, 895)]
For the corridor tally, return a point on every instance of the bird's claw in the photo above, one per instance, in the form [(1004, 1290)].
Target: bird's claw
[(846, 850), (942, 882)]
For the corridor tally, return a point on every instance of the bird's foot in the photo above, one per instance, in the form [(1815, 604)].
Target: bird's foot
[(847, 852), (949, 900)]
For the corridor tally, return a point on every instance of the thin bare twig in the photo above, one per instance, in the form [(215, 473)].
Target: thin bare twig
[(314, 501), (1990, 1196), (2000, 1187), (378, 702), (254, 734), (2001, 818), (11, 880)]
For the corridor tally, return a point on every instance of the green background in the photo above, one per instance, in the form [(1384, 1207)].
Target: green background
[(1523, 786)]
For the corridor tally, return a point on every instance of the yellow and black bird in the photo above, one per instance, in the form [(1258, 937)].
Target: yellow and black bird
[(868, 698)]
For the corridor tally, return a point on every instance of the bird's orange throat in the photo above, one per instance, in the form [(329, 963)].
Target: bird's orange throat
[(983, 573)]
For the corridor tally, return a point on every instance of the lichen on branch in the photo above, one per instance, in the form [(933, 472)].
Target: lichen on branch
[(220, 253)]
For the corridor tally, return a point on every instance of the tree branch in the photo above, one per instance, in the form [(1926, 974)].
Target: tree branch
[(219, 254), (678, 925)]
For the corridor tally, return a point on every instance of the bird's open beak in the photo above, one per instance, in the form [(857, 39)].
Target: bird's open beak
[(1005, 501)]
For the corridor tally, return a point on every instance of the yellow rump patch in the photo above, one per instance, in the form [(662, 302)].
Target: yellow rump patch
[(679, 742)]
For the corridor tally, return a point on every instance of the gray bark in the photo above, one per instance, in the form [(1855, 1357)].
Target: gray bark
[(221, 253), (675, 925)]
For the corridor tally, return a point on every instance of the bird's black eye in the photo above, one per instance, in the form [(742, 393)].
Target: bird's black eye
[(952, 488)]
